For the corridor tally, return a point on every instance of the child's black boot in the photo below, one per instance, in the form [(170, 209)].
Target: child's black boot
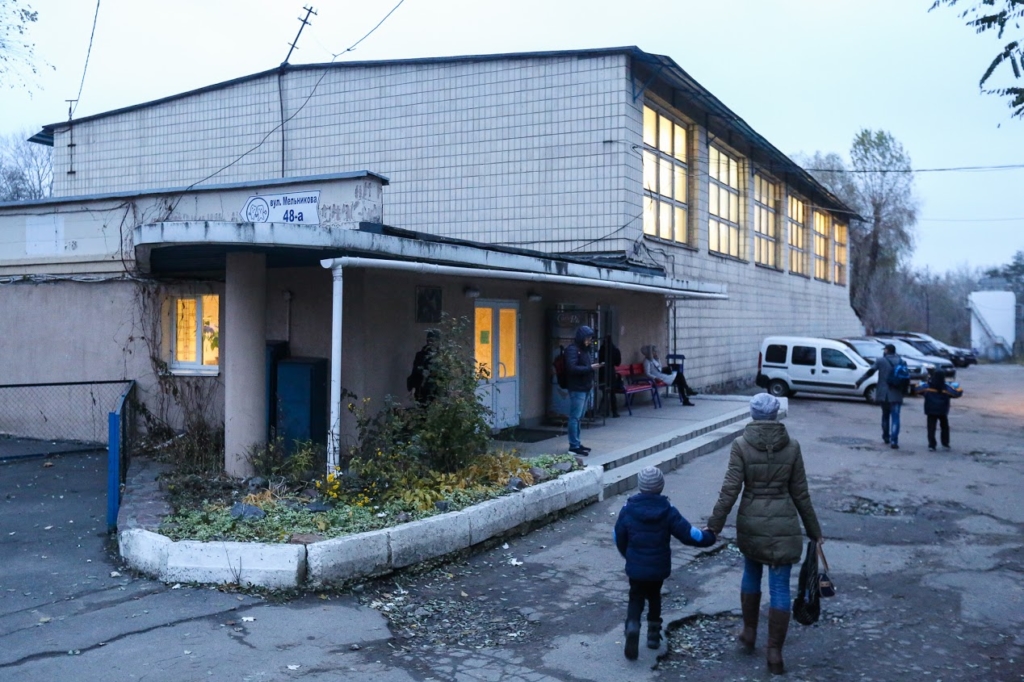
[(632, 639), (654, 634)]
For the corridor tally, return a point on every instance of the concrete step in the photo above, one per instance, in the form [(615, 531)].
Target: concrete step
[(624, 476), (644, 448)]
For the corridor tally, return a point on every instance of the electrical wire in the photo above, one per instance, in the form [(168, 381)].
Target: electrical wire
[(88, 53), (280, 125), (951, 169), (353, 47)]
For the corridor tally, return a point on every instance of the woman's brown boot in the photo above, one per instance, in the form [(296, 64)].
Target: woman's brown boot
[(778, 624), (751, 605)]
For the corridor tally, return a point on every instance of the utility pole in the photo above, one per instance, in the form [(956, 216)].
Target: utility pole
[(304, 21), (71, 137)]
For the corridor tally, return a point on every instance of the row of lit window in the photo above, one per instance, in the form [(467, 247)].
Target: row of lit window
[(665, 214)]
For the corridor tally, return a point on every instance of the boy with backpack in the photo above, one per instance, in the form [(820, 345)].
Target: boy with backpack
[(937, 394), (893, 379), (643, 535)]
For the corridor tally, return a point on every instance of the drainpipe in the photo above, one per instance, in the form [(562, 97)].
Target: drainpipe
[(337, 265), (334, 438)]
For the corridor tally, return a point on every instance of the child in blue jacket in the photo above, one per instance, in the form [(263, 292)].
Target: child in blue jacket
[(937, 394), (643, 533)]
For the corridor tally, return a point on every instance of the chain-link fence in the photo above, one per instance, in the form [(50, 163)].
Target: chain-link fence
[(69, 411)]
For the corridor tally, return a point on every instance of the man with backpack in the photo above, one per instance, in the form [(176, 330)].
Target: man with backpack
[(579, 378), (893, 379)]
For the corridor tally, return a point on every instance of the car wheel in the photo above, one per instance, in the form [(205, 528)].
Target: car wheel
[(869, 394), (778, 388)]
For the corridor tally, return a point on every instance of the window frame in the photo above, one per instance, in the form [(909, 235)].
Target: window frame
[(733, 229), (196, 368), (766, 241), (798, 254), (822, 243), (657, 205), (841, 262)]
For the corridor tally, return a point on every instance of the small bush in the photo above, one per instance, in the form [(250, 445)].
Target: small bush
[(271, 460)]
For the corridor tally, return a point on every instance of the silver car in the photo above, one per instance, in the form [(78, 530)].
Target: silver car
[(908, 353), (871, 349)]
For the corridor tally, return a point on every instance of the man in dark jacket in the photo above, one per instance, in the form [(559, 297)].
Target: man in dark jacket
[(579, 370), (889, 397), (937, 394), (643, 535), (610, 357)]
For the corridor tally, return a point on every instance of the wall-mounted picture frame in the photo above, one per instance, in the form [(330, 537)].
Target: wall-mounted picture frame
[(428, 305)]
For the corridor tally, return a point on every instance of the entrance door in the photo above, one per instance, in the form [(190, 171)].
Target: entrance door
[(496, 341)]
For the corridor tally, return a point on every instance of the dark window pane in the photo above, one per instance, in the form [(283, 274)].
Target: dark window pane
[(776, 354), (805, 355)]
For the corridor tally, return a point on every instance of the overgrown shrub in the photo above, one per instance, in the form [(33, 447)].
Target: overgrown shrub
[(271, 460), (452, 428)]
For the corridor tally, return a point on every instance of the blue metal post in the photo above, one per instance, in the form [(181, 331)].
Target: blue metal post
[(113, 469)]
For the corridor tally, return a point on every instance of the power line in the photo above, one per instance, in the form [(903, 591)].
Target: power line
[(951, 169), (283, 122), (88, 52), (353, 46)]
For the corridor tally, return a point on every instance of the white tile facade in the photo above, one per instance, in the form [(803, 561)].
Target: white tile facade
[(538, 152)]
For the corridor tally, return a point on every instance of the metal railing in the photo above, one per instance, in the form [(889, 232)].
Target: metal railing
[(121, 440)]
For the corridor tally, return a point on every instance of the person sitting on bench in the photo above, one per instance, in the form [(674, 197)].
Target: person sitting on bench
[(652, 368)]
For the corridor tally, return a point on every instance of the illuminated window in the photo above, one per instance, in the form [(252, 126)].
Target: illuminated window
[(724, 234), (766, 230), (797, 214), (822, 242), (842, 239), (196, 334), (665, 178)]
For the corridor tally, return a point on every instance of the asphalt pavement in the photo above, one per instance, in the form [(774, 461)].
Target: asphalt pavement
[(926, 549)]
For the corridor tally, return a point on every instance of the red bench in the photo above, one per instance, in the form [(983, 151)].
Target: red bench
[(635, 381)]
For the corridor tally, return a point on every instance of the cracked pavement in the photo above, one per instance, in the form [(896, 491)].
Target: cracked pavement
[(925, 547)]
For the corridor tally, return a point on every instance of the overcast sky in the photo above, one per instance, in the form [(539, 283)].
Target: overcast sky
[(806, 74)]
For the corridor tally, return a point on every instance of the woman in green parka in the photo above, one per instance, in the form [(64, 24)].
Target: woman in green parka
[(766, 466)]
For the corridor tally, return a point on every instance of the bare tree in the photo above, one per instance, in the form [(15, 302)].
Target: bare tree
[(879, 186), (26, 169), (17, 52), (998, 15)]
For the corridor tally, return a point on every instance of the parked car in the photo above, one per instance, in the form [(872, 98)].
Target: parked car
[(787, 364), (871, 349), (909, 352), (960, 357)]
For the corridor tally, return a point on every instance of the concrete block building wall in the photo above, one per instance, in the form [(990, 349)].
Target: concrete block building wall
[(538, 152)]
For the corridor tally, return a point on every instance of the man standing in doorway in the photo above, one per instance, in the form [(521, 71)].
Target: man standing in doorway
[(579, 368), (888, 396)]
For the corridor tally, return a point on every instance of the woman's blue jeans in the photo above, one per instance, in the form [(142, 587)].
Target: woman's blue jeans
[(778, 582)]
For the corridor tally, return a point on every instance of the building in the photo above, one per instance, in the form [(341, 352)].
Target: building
[(604, 185)]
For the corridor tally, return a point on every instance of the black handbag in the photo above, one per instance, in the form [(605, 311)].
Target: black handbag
[(807, 605), (826, 588)]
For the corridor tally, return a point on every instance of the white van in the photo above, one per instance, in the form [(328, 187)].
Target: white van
[(787, 364)]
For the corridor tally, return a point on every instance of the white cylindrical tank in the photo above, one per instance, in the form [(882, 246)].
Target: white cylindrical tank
[(993, 323)]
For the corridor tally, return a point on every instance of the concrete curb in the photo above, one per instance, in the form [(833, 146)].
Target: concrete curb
[(382, 551), (351, 556)]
